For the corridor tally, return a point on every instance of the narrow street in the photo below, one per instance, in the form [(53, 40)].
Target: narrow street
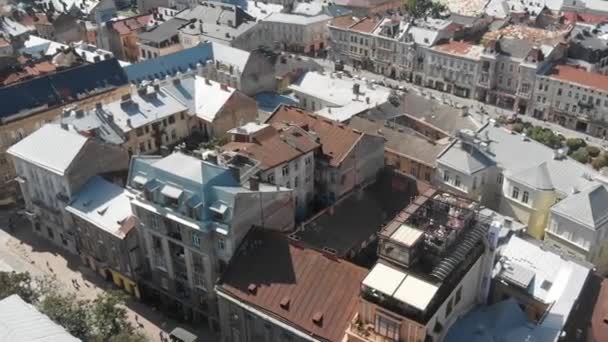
[(23, 251)]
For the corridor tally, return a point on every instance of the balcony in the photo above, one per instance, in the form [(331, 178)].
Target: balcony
[(359, 332)]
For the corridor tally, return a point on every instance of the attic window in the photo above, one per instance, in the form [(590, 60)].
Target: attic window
[(546, 285), (317, 318), (285, 303), (252, 288)]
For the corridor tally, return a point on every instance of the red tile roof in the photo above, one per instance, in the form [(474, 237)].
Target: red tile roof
[(309, 284), (28, 71), (275, 146), (572, 74), (336, 139), (366, 25), (574, 17), (131, 24)]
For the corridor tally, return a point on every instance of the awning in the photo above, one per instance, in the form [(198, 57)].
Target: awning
[(183, 335), (171, 192)]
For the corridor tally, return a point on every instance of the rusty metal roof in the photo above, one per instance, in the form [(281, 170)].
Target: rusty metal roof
[(313, 292)]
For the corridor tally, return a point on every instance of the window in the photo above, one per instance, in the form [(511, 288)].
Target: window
[(307, 161), (173, 134), (139, 132), (525, 196), (446, 177), (457, 181), (295, 182), (221, 244), (150, 145), (271, 178), (474, 183), (285, 170), (449, 307), (182, 116), (154, 221), (196, 240), (172, 119), (387, 328), (515, 193), (458, 296), (295, 166)]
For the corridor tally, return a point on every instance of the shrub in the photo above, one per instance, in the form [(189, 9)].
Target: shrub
[(600, 162), (581, 155), (574, 144), (517, 127), (594, 151), (545, 136)]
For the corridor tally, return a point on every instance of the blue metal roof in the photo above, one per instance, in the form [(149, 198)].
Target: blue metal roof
[(61, 87), (158, 68)]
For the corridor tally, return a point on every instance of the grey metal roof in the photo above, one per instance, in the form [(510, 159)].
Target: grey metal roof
[(21, 322), (517, 48), (465, 158), (589, 207), (50, 147), (401, 139), (537, 177), (164, 31)]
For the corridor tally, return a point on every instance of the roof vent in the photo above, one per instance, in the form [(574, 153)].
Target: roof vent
[(252, 288), (317, 318), (285, 303)]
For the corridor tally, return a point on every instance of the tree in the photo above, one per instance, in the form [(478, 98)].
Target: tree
[(67, 312), (425, 8), (20, 284), (545, 136), (574, 144), (129, 337), (581, 155), (108, 316)]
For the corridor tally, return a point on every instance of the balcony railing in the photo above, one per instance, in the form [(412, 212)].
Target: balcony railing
[(359, 332)]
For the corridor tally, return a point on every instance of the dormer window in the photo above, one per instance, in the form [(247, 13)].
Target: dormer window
[(171, 195), (139, 182), (218, 211)]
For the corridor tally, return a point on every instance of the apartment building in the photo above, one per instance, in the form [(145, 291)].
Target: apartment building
[(577, 226), (351, 40), (214, 108), (424, 280), (121, 36), (255, 304), (536, 295), (193, 215), (249, 72), (291, 32), (573, 97), (161, 40), (349, 159), (488, 166), (588, 47), (510, 61), (52, 165), (106, 235), (453, 67), (339, 98), (27, 105), (286, 156)]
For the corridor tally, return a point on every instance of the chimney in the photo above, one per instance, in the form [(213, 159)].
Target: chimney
[(80, 113), (224, 87), (64, 126), (98, 106), (128, 122)]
